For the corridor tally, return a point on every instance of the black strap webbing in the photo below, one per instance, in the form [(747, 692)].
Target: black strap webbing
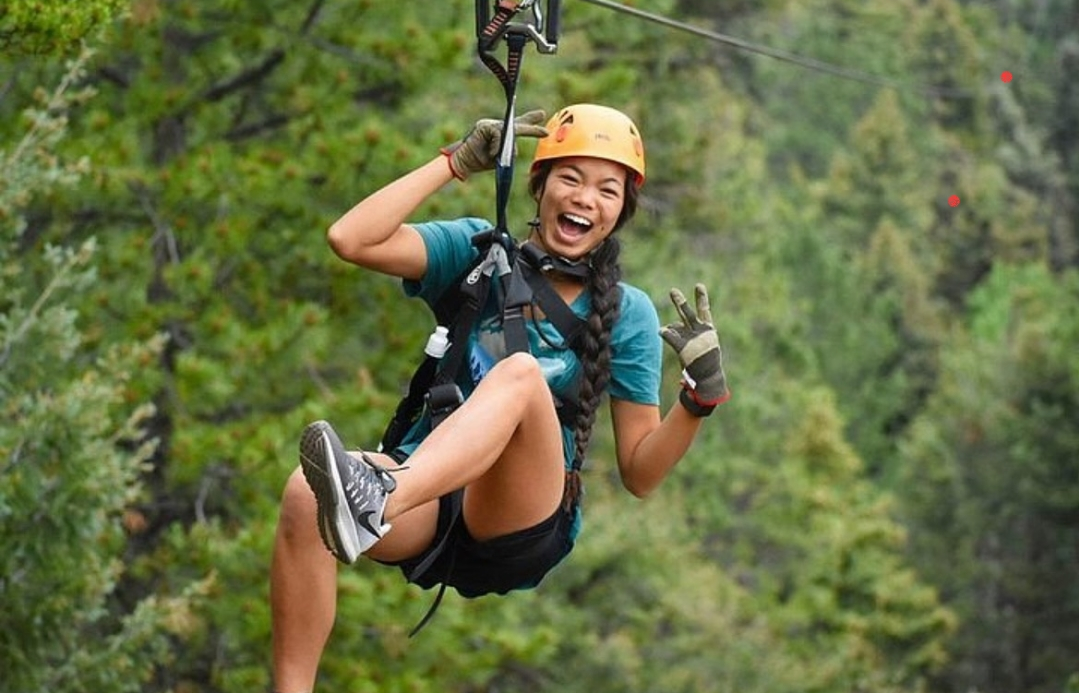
[(410, 406), (554, 308), (524, 285), (454, 500), (518, 297), (473, 292)]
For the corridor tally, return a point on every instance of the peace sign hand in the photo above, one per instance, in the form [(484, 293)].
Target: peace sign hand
[(696, 342)]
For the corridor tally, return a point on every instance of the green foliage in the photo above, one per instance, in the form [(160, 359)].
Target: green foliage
[(72, 448), (31, 166), (897, 365), (990, 481), (638, 609), (821, 553), (807, 113), (51, 28), (876, 199)]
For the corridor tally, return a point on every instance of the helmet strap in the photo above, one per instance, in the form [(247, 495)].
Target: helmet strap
[(581, 268)]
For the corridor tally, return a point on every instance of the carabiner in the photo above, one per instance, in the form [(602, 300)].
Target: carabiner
[(543, 31)]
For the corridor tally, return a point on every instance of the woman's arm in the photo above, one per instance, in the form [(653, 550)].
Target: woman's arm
[(648, 447), (373, 234)]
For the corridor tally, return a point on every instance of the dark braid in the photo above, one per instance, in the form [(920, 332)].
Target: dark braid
[(595, 353), (606, 298)]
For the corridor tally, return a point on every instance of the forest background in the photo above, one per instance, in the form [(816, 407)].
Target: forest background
[(889, 503)]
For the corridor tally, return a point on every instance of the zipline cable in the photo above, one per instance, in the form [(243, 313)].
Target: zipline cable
[(778, 54)]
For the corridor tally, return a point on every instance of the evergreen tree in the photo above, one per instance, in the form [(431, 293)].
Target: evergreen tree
[(990, 483), (52, 28), (190, 271), (71, 448)]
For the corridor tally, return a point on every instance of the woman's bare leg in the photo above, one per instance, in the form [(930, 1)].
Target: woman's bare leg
[(513, 475), (303, 580), (504, 445), (303, 590)]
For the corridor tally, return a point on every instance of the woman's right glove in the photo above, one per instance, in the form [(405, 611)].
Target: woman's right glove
[(704, 384), (478, 150)]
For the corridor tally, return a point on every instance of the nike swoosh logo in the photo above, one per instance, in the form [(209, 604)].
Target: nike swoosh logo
[(364, 520)]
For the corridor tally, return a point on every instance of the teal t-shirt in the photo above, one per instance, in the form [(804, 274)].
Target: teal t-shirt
[(636, 347)]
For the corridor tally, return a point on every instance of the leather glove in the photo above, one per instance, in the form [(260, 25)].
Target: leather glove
[(697, 344), (478, 150)]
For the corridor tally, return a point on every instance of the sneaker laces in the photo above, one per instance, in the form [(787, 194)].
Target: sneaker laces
[(383, 475)]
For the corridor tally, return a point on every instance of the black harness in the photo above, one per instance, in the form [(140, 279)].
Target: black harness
[(434, 387), (523, 285), (518, 270)]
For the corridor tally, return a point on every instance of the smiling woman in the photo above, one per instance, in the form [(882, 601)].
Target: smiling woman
[(580, 205), (487, 498)]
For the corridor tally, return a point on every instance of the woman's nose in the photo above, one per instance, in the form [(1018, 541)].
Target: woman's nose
[(584, 196)]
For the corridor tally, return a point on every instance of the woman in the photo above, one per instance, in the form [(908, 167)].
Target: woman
[(487, 501)]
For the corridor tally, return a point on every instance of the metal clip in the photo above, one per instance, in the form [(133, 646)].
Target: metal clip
[(541, 29)]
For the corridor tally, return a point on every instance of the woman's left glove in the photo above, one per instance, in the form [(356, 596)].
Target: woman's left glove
[(704, 384), (478, 150)]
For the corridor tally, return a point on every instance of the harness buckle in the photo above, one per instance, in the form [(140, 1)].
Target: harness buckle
[(443, 400)]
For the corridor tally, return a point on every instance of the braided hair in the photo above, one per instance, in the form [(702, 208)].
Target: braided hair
[(602, 287), (595, 353)]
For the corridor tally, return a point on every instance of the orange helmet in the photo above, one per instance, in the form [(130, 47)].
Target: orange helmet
[(592, 130)]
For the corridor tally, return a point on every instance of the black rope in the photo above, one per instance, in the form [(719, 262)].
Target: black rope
[(488, 31)]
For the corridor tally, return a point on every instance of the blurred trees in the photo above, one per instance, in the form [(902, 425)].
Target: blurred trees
[(884, 505), (72, 442), (991, 481), (30, 27)]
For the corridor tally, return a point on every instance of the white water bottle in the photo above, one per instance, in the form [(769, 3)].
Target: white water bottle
[(438, 342)]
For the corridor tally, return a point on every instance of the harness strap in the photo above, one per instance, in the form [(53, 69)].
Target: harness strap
[(518, 297), (524, 285), (504, 166), (557, 311), (455, 513), (487, 34), (410, 406), (475, 289), (517, 290), (434, 605)]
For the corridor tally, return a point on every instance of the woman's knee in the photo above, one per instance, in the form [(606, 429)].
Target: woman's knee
[(298, 508), (518, 370)]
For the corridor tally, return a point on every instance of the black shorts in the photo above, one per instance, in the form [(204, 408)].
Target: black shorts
[(475, 568)]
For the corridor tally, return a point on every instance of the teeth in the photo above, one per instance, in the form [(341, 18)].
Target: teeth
[(578, 220)]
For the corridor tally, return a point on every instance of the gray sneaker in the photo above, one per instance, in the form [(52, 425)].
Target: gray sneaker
[(351, 493)]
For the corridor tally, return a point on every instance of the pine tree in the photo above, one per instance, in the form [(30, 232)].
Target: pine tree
[(71, 448)]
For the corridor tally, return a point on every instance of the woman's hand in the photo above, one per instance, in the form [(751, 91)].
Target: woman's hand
[(478, 150), (697, 344)]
